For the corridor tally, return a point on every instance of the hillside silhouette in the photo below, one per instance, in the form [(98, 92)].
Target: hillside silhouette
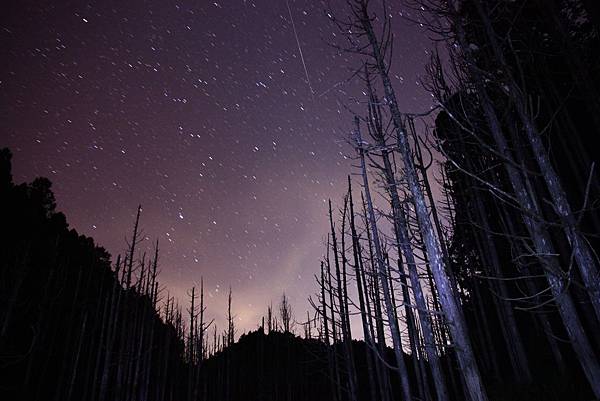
[(72, 329)]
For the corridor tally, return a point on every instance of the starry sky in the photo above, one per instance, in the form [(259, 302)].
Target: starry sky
[(202, 112)]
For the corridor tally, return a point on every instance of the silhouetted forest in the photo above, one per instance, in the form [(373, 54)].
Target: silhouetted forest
[(461, 263), (75, 327)]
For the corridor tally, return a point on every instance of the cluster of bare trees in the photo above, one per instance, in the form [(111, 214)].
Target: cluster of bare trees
[(136, 361), (464, 257), (283, 318), (194, 342), (75, 326), (511, 122), (424, 260)]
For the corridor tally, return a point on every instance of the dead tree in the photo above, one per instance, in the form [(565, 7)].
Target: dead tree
[(361, 27), (382, 269), (286, 314), (376, 131), (357, 254)]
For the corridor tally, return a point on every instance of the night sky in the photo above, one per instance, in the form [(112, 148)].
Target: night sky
[(200, 111)]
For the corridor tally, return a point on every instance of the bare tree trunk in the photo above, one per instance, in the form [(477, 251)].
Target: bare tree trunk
[(357, 253), (413, 335), (333, 327), (397, 342), (328, 348), (380, 369), (111, 333), (82, 334), (191, 343), (342, 303), (534, 289), (132, 246)]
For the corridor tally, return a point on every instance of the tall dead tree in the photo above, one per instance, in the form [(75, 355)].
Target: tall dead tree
[(362, 26), (343, 302), (286, 314), (377, 132), (357, 255), (382, 269)]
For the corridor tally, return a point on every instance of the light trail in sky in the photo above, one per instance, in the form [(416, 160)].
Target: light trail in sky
[(312, 92)]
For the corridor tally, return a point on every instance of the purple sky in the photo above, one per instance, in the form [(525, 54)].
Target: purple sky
[(201, 112)]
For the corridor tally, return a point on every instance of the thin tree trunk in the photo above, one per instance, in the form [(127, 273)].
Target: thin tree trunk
[(397, 343), (342, 304), (76, 361), (357, 253)]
